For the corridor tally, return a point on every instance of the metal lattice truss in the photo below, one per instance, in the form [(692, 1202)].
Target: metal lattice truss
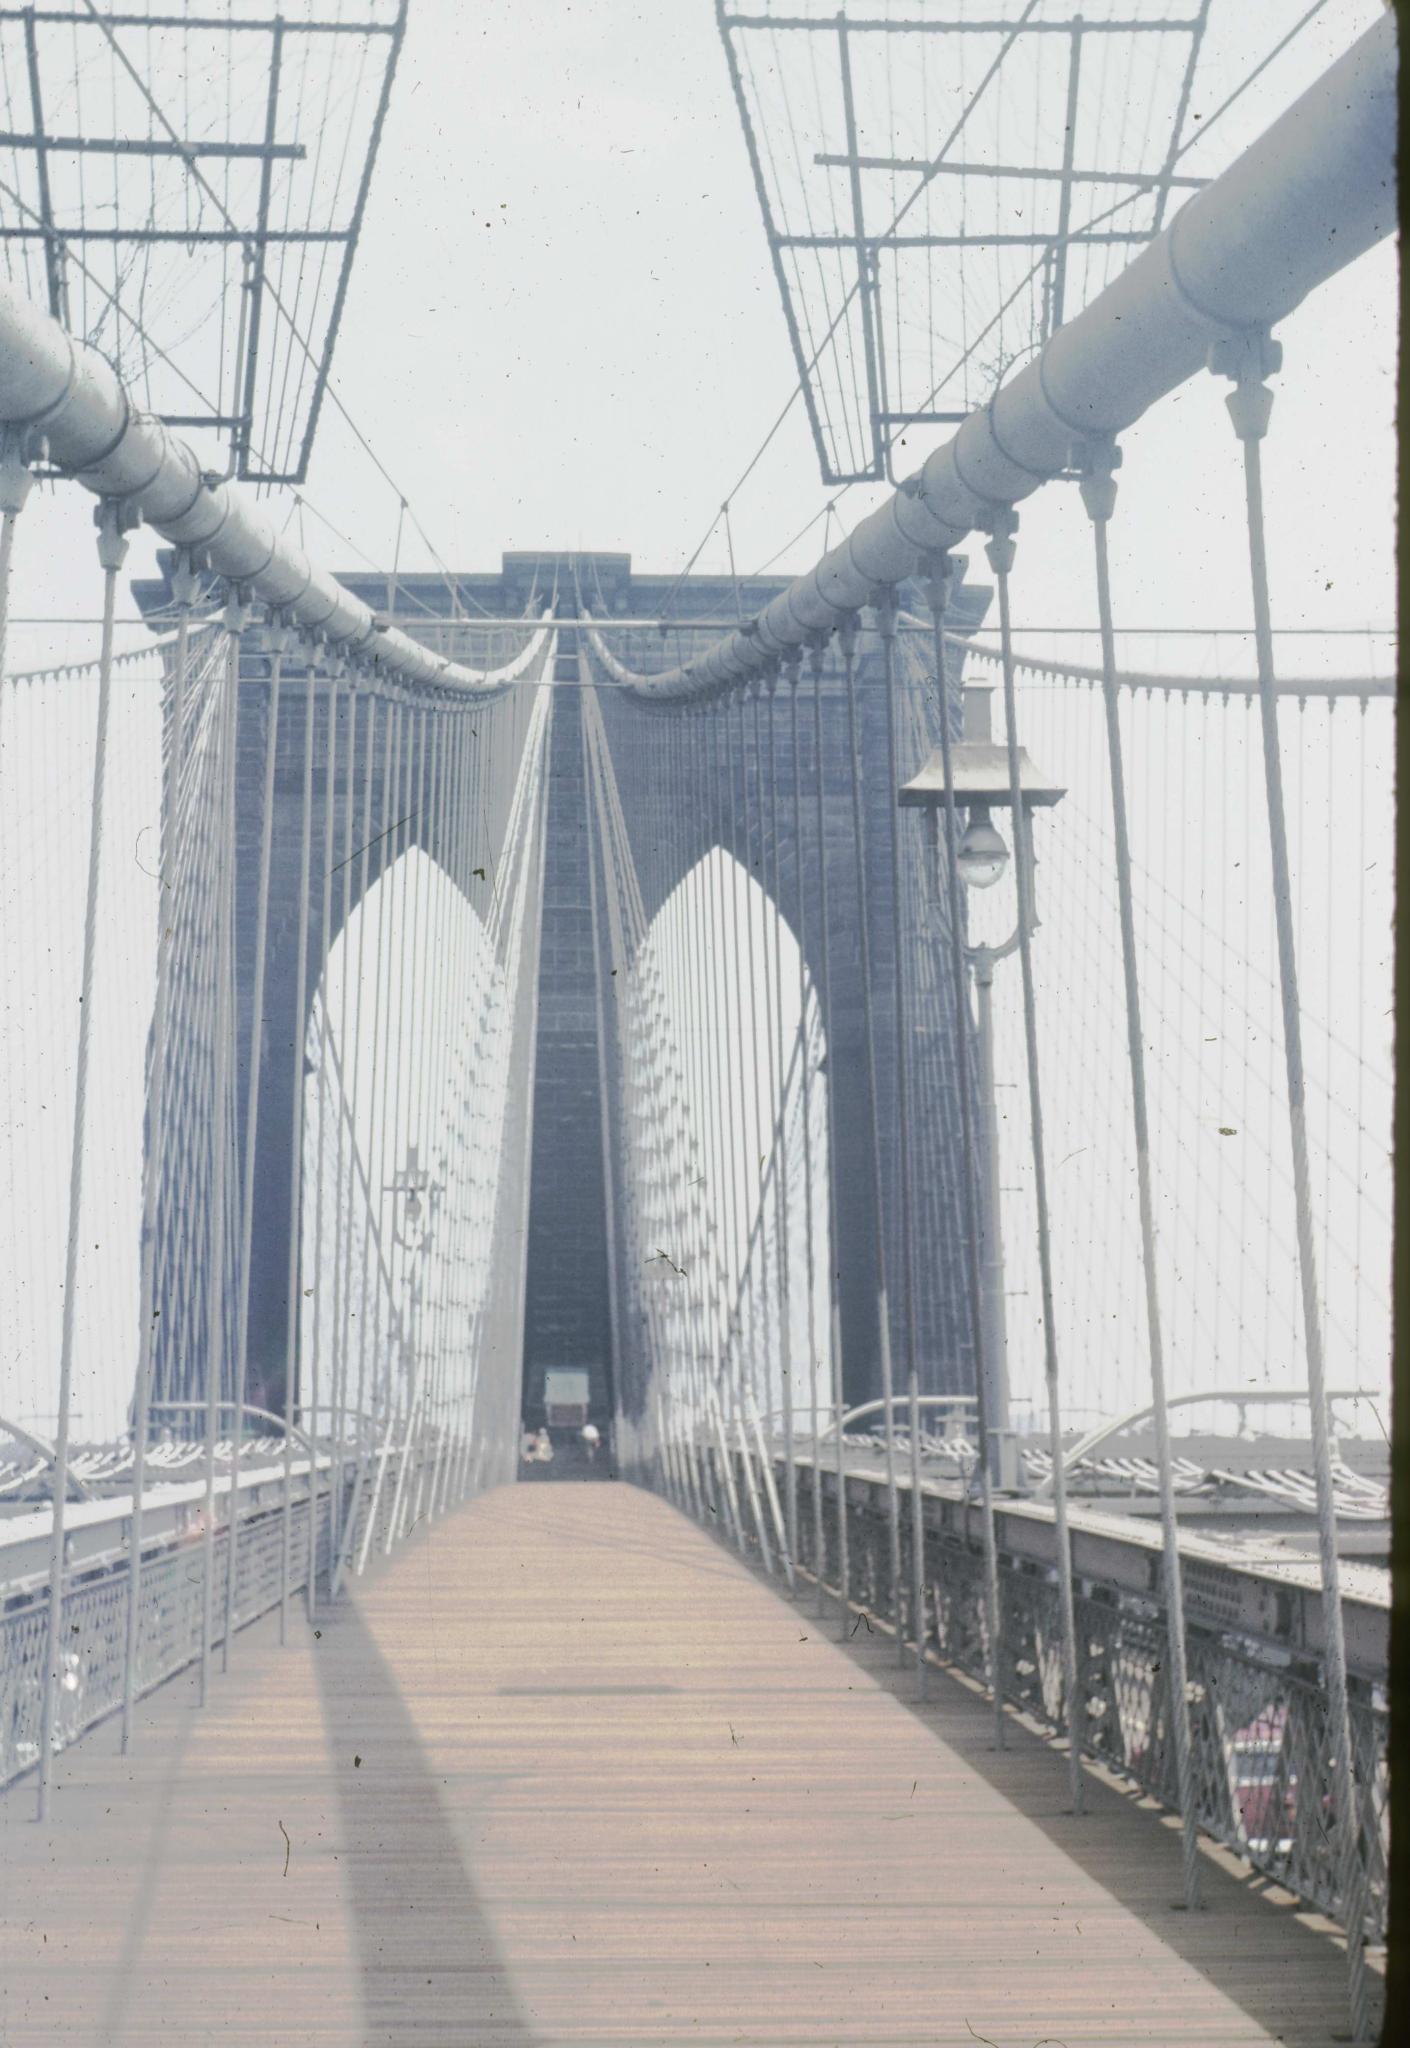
[(944, 182), (185, 190)]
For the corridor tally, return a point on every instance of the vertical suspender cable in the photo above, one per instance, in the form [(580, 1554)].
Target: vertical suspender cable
[(722, 871), (411, 1262), (1248, 359), (412, 1012), (221, 1162), (844, 1577), (376, 1126), (467, 1474), (885, 607), (456, 998), (342, 1205), (725, 1134), (663, 992), (112, 519), (440, 965), (277, 637), (1000, 553), (607, 1120), (296, 1142), (689, 984), (1096, 463), (389, 1149), (183, 578), (765, 1450), (429, 1109), (805, 1036), (615, 1136), (779, 1065), (663, 995), (847, 637), (400, 1397), (722, 877), (751, 1149), (423, 970), (750, 694), (327, 1093), (696, 954), (940, 572)]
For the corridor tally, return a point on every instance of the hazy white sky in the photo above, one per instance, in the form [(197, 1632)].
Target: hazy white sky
[(563, 331)]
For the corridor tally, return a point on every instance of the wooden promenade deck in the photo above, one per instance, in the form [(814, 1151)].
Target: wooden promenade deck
[(564, 1771)]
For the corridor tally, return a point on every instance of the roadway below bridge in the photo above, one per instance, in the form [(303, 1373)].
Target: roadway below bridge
[(564, 1770)]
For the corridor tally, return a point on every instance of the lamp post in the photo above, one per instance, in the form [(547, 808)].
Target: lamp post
[(980, 783), (413, 1228)]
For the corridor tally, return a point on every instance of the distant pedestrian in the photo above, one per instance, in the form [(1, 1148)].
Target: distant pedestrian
[(590, 1437), (543, 1448)]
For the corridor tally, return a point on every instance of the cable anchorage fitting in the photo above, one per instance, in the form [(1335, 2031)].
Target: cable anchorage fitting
[(1094, 461), (311, 642), (883, 603), (1247, 359), (277, 632), (1000, 549), (114, 518), (187, 568), (239, 609), (939, 572), (21, 446)]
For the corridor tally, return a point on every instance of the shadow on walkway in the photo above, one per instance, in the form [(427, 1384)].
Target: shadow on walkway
[(1260, 1952), (430, 1962)]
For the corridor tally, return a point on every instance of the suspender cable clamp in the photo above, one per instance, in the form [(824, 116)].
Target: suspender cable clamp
[(1095, 460), (1247, 359), (20, 448), (239, 608), (1000, 549), (114, 518)]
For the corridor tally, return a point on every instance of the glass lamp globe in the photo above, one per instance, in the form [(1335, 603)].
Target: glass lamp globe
[(982, 854)]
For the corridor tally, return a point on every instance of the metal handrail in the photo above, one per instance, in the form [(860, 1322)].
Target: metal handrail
[(901, 1403), (45, 1450), (230, 1408), (1239, 1396)]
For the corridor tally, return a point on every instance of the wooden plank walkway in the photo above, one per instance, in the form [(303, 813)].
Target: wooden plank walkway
[(565, 1771)]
